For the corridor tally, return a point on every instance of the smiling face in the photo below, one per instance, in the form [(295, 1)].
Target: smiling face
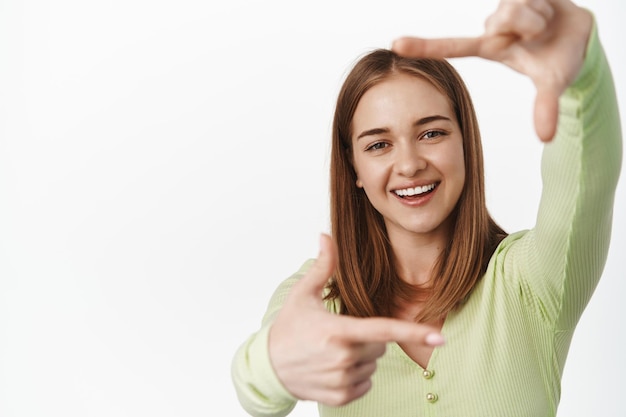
[(408, 156)]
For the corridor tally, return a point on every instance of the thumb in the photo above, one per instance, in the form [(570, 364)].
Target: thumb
[(323, 268), (546, 114)]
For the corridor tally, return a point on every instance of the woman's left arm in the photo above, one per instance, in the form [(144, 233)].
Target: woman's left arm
[(555, 43), (580, 169)]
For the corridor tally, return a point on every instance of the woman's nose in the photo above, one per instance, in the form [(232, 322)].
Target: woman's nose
[(409, 160)]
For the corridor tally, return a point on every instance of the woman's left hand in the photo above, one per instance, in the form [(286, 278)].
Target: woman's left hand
[(543, 39)]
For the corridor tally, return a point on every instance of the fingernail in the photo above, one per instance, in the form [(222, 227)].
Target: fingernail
[(435, 339)]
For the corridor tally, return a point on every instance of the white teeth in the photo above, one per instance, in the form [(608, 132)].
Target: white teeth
[(414, 191)]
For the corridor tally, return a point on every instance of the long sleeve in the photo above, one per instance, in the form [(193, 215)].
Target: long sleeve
[(259, 391), (567, 249)]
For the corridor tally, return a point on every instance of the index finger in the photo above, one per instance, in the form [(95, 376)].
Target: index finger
[(383, 330), (436, 48)]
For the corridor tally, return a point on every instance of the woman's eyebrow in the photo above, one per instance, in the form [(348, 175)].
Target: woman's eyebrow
[(372, 132), (420, 122), (430, 119)]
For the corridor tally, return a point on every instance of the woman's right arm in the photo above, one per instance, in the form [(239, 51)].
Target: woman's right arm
[(304, 352)]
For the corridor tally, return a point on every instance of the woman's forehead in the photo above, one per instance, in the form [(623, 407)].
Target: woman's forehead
[(398, 97)]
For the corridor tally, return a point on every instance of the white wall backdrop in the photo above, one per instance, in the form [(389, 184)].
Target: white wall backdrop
[(163, 166)]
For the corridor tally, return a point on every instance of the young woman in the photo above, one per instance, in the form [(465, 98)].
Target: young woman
[(420, 304)]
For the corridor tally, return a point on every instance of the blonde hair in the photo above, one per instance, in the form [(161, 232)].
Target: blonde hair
[(366, 281)]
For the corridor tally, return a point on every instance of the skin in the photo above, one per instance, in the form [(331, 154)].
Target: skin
[(407, 135), (328, 358)]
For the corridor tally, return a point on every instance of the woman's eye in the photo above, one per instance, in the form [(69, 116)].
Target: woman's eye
[(376, 146), (432, 134)]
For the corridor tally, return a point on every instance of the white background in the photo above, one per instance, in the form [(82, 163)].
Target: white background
[(163, 166)]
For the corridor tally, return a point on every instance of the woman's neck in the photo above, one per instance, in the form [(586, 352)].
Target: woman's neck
[(415, 255)]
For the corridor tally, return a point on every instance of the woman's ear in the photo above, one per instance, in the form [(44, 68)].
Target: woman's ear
[(359, 183)]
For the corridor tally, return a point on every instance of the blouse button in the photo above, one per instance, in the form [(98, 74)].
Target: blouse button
[(431, 398), (428, 374)]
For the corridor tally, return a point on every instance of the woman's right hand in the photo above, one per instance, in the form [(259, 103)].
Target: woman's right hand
[(326, 357)]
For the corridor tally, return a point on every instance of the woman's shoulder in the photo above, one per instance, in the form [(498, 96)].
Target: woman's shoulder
[(509, 242), (510, 254)]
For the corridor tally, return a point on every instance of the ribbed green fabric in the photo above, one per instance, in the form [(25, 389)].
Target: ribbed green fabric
[(508, 344)]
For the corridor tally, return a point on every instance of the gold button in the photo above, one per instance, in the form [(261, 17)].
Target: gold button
[(431, 398), (428, 374)]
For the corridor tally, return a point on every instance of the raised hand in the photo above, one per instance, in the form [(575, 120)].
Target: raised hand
[(326, 357), (543, 39)]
